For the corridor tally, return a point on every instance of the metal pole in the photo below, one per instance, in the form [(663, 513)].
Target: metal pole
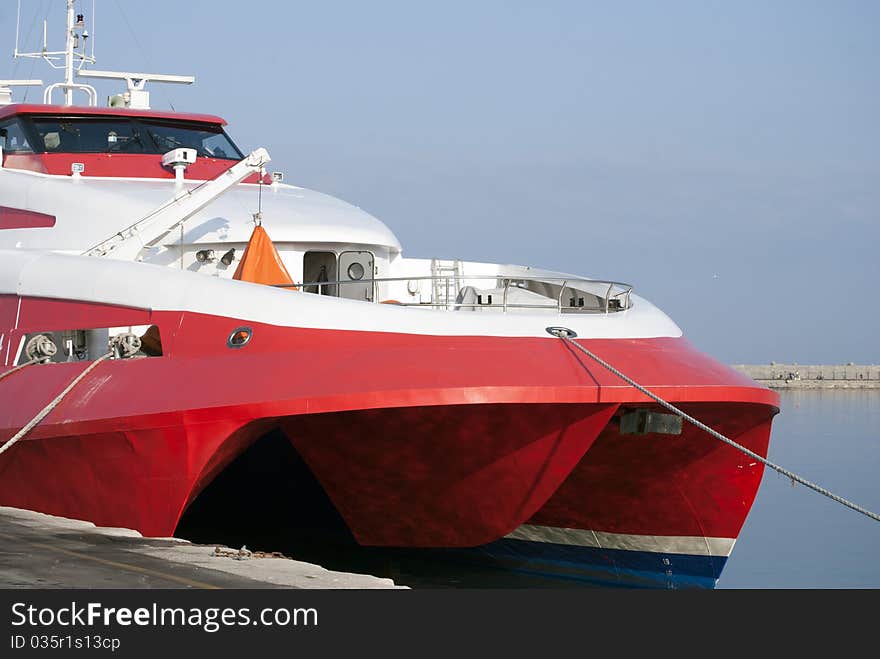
[(68, 57)]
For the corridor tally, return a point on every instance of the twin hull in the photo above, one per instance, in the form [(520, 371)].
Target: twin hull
[(510, 445)]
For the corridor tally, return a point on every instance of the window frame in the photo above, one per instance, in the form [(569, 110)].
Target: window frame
[(217, 129), (36, 120), (140, 128), (22, 125)]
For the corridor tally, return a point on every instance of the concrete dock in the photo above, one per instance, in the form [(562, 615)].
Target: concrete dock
[(813, 376), (42, 551)]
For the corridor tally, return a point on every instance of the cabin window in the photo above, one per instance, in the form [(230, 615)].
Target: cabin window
[(208, 141), (124, 135), (88, 136), (13, 139)]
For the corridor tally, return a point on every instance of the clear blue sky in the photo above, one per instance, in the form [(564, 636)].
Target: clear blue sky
[(724, 157)]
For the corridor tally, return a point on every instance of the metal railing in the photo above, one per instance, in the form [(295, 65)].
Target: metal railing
[(609, 296)]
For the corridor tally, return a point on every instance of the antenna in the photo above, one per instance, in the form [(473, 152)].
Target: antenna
[(136, 79), (94, 20), (73, 60), (17, 28), (67, 59), (6, 91), (135, 96)]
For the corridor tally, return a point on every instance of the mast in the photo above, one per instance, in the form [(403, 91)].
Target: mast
[(68, 59), (75, 31), (68, 56), (74, 58)]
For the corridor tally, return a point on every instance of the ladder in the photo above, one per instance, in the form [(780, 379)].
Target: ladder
[(445, 282)]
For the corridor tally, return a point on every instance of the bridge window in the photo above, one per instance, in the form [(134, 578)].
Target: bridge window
[(88, 136), (208, 141), (121, 135), (13, 139)]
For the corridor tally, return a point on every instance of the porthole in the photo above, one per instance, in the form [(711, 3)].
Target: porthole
[(239, 337), (356, 271)]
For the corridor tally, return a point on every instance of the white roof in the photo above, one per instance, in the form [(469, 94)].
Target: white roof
[(290, 214), (89, 210)]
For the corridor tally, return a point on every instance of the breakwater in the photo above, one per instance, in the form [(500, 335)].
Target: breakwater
[(813, 376)]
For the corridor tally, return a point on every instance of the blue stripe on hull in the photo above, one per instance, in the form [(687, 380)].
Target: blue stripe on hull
[(606, 567)]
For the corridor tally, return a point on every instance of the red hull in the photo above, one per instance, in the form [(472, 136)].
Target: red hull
[(446, 476), (419, 440), (661, 485)]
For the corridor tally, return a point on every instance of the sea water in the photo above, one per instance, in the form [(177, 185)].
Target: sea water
[(795, 537)]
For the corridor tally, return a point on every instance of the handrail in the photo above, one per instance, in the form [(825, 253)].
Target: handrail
[(501, 280), (561, 293), (584, 280)]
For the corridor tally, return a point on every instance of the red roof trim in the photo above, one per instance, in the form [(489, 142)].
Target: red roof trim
[(80, 111)]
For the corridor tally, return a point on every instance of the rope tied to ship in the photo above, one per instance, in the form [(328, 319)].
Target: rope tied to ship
[(121, 347), (39, 350), (568, 335), (19, 367)]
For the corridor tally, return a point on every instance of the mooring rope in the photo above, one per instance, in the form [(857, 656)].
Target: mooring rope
[(566, 335), (122, 346), (52, 405), (19, 367)]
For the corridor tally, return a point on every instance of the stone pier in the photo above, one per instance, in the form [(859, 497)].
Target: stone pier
[(813, 376)]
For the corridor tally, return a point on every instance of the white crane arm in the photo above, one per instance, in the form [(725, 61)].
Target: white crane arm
[(128, 243)]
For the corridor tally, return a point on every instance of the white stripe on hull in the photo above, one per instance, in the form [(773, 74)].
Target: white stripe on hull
[(661, 544)]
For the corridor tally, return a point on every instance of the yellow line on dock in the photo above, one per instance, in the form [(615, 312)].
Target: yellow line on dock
[(124, 566)]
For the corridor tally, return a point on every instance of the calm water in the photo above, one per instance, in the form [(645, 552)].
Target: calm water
[(793, 537), (796, 538)]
